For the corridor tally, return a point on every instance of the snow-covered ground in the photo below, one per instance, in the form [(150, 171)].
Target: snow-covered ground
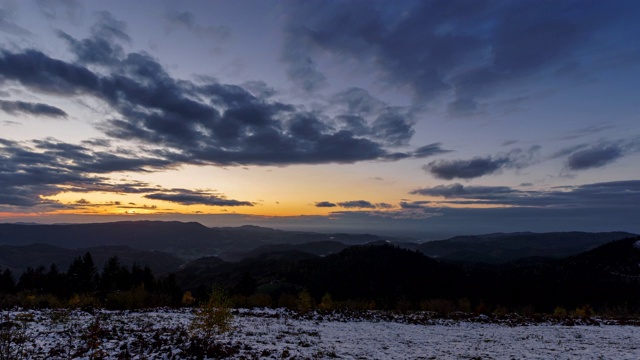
[(277, 334)]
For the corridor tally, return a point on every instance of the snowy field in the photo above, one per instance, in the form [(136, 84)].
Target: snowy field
[(278, 334)]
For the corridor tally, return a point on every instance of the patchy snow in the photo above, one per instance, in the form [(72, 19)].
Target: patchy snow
[(636, 244), (276, 334)]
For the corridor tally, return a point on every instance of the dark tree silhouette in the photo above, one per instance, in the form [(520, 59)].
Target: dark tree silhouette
[(82, 275), (7, 282)]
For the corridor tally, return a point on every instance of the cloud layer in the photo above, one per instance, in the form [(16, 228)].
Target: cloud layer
[(465, 48), (49, 167), (198, 122), (600, 196), (169, 122)]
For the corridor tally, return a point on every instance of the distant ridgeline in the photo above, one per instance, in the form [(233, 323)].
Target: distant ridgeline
[(142, 264)]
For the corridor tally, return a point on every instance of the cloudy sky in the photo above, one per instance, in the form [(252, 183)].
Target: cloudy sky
[(424, 117)]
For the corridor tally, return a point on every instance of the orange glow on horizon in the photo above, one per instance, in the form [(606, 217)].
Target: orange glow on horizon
[(302, 204)]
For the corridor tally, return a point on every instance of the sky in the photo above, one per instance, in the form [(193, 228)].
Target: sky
[(424, 118)]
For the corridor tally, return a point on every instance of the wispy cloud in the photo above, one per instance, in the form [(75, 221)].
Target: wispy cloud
[(616, 194), (191, 197), (595, 155), (357, 204), (37, 109), (480, 166), (326, 204), (187, 21)]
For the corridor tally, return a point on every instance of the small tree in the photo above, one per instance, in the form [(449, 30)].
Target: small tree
[(327, 302), (214, 316), (187, 299), (305, 302)]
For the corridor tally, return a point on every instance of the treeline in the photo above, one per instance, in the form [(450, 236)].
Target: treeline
[(84, 286), (604, 281)]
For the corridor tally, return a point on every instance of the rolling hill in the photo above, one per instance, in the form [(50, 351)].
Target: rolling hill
[(502, 248)]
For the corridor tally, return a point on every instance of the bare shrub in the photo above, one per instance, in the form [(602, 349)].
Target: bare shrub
[(213, 317)]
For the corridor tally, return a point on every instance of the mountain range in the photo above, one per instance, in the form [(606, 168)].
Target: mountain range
[(185, 240), (540, 269), (165, 246)]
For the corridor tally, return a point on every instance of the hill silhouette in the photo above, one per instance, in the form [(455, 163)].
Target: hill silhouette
[(502, 248)]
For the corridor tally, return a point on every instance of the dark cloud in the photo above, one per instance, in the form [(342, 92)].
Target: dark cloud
[(191, 197), (186, 20), (602, 196), (37, 71), (325, 204), (177, 121), (95, 50), (357, 204), (479, 166), (104, 47), (37, 109), (26, 175), (97, 142), (365, 115), (465, 169), (429, 150), (206, 122), (50, 167), (384, 206), (29, 171), (201, 123), (466, 47), (413, 204), (460, 191), (83, 160), (392, 128), (594, 157)]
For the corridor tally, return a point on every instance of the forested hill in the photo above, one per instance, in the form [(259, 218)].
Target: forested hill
[(187, 240), (605, 278), (190, 240), (502, 248), (378, 274)]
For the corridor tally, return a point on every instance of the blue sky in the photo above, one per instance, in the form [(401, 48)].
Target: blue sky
[(421, 117)]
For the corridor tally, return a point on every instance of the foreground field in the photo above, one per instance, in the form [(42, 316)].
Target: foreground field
[(277, 334)]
